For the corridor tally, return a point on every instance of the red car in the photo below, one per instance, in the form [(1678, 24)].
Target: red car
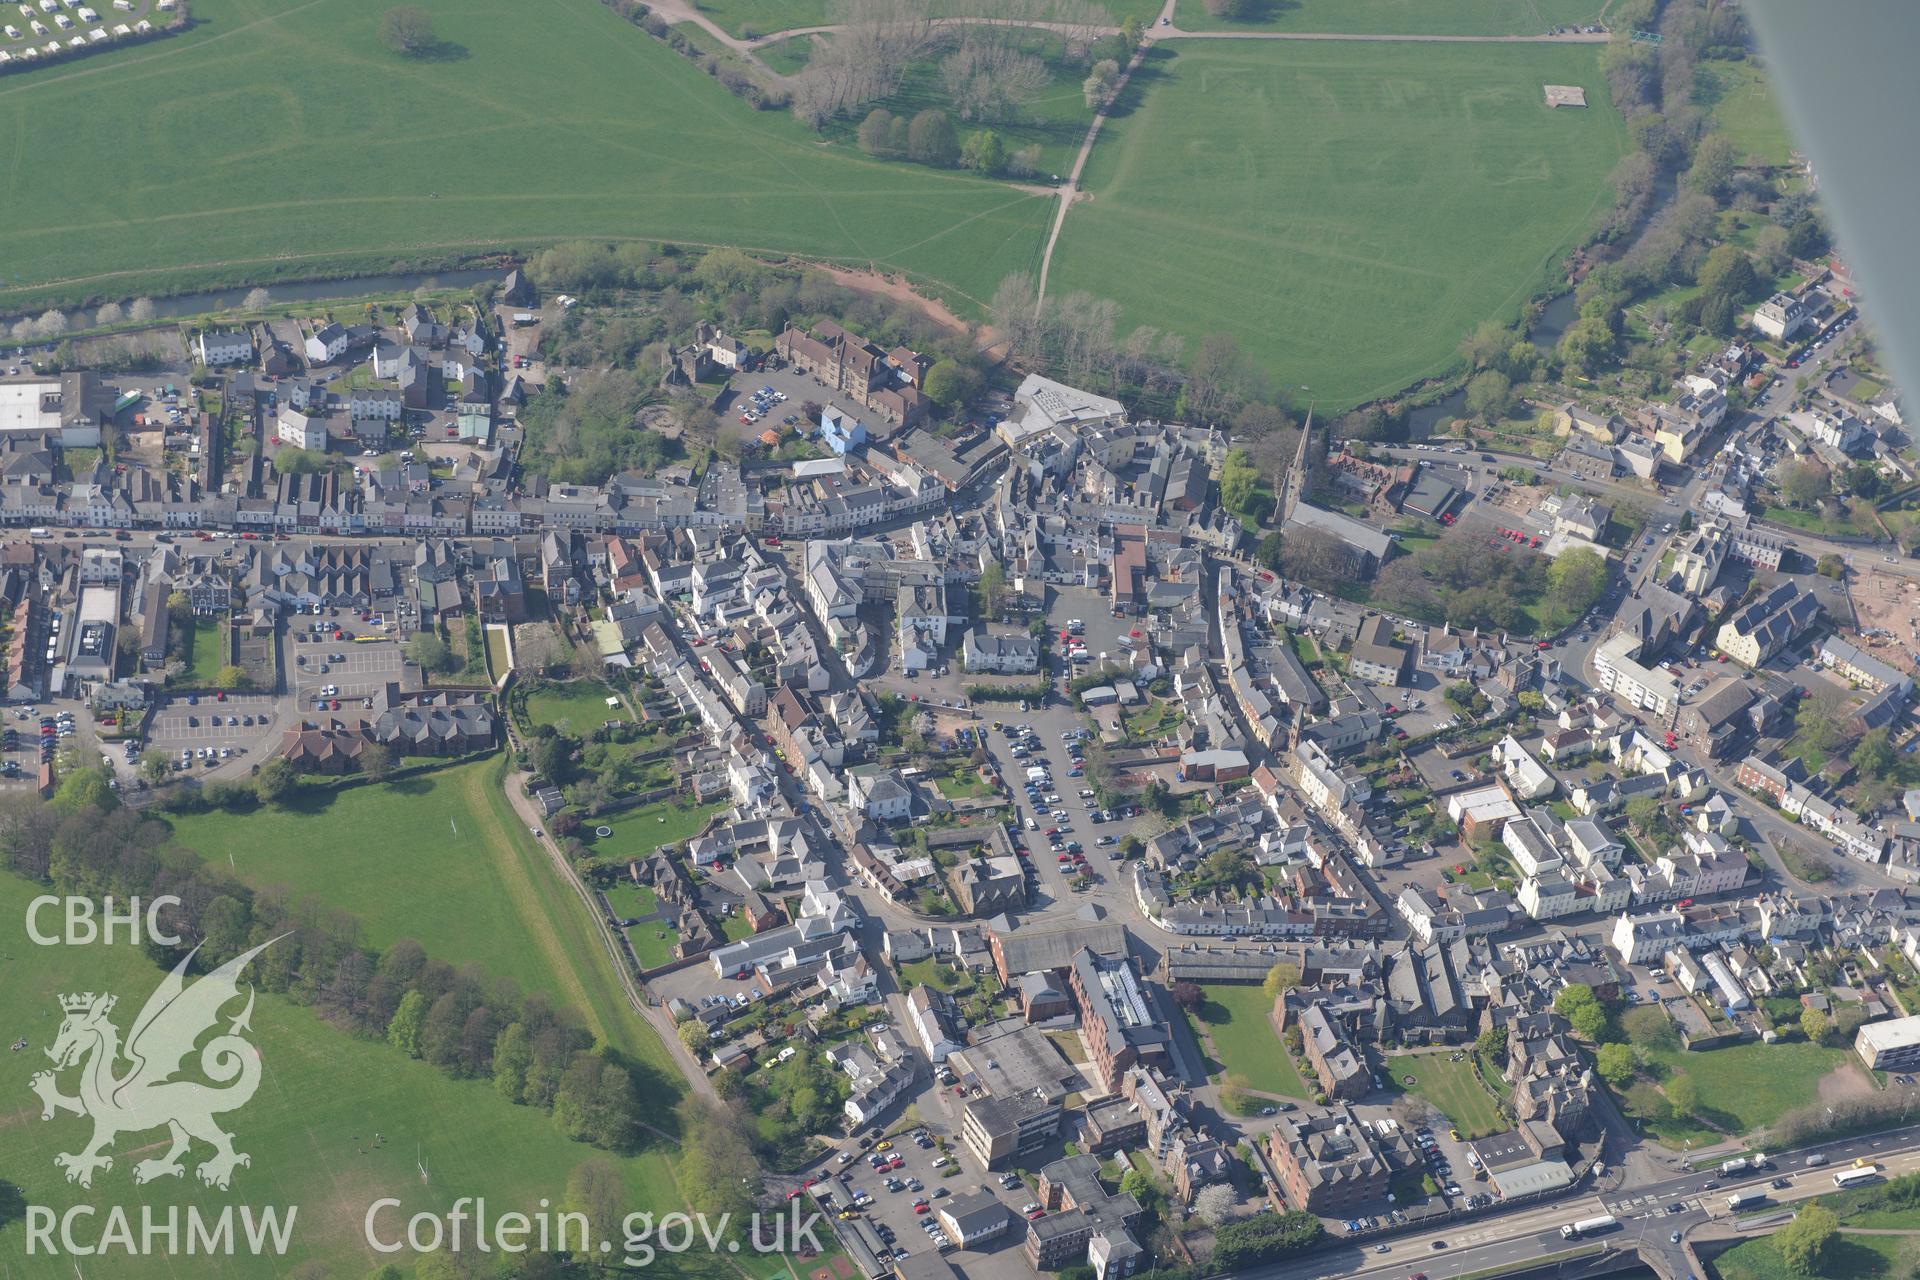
[(1037, 1213), (1543, 645), (895, 1163), (921, 1206)]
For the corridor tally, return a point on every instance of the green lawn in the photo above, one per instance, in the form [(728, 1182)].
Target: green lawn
[(309, 1129), (653, 942), (630, 900), (203, 657), (932, 973), (1453, 1087), (1745, 109), (962, 786), (1345, 211), (578, 706), (1850, 1257), (1235, 1019), (1745, 1087), (1396, 17), (638, 832), (218, 156)]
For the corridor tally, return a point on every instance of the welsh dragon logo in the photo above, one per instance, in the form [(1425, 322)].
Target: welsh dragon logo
[(147, 1094)]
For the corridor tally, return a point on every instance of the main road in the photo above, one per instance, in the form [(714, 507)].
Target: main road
[(1649, 1216)]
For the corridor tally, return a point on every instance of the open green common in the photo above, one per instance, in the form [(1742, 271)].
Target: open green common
[(310, 1129), (276, 138), (1346, 211), (440, 858)]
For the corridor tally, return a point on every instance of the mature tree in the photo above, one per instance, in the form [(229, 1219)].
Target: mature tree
[(717, 1172), (275, 781), (1683, 1094), (407, 30), (1589, 1021), (1715, 158), (1238, 480), (1614, 1062), (154, 769), (1492, 1042), (984, 152), (931, 139), (431, 652), (376, 760), (1814, 1025), (1576, 578), (1489, 395), (597, 1192), (1188, 996), (1727, 270), (1803, 484), (1237, 1095), (950, 384), (1282, 978), (1803, 1243), (875, 134), (140, 310), (694, 1035), (1218, 377), (257, 300), (512, 1060), (403, 1029), (85, 791), (1587, 346), (1215, 1203), (1097, 88)]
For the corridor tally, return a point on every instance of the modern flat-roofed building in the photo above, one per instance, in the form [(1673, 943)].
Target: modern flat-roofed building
[(1893, 1045)]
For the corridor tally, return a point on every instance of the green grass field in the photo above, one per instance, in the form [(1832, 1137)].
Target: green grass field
[(1454, 1087), (221, 155), (1235, 1019), (1745, 109), (1850, 1257), (309, 1129), (1748, 1086), (578, 706), (443, 860), (1345, 211), (1397, 17)]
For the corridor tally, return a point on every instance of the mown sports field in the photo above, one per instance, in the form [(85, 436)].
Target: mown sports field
[(310, 1129), (282, 131), (1346, 211)]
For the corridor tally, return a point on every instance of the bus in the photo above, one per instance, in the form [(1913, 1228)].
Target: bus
[(1854, 1177), (368, 639)]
